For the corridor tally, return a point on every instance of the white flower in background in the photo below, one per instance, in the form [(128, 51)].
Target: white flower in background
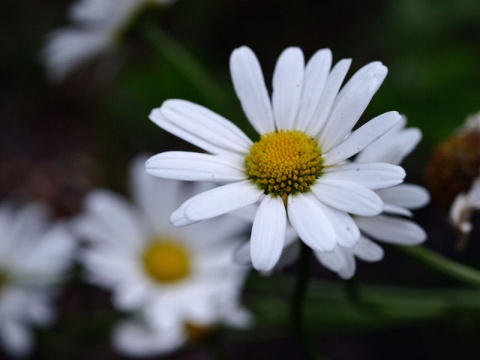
[(392, 226), (172, 279), (34, 255), (298, 166), (97, 27), (462, 208)]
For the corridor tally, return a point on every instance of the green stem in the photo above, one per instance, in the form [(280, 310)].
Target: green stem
[(298, 302), (440, 263), (187, 65)]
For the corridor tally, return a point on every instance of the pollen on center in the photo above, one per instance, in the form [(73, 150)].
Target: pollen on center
[(166, 261), (284, 162)]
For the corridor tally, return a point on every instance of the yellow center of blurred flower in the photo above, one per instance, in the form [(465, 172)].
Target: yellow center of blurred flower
[(284, 162), (197, 332), (166, 261)]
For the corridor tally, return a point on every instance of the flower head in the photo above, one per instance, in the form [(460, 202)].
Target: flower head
[(97, 27), (297, 169), (155, 270), (392, 226), (34, 255)]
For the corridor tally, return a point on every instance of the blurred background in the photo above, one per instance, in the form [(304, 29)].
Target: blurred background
[(60, 140)]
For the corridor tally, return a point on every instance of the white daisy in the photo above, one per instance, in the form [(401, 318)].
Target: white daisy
[(297, 168), (34, 255), (97, 27), (398, 201), (172, 278)]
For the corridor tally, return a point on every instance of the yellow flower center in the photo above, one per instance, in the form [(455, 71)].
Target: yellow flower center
[(284, 162), (166, 261)]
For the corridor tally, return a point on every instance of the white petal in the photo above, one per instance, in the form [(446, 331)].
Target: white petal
[(250, 87), (287, 88), (346, 113), (16, 338), (201, 127), (409, 196), (268, 233), (372, 176), (192, 166), (392, 147), (362, 137), (346, 229), (367, 250), (311, 223), (474, 195), (348, 196), (396, 210), (333, 260), (316, 74), (222, 200), (348, 270), (392, 230), (334, 81)]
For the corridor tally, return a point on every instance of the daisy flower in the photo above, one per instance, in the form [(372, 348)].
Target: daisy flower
[(98, 25), (172, 279), (297, 169), (453, 175), (391, 226), (34, 255)]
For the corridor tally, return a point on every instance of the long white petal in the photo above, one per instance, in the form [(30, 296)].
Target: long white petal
[(334, 82), (406, 195), (362, 137), (250, 87), (268, 233), (316, 74), (392, 230), (333, 260), (191, 166), (346, 113), (373, 176), (346, 229), (222, 200), (287, 88), (201, 127), (348, 196), (311, 223), (367, 250)]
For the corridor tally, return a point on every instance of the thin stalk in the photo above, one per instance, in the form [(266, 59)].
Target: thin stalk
[(444, 265), (298, 302)]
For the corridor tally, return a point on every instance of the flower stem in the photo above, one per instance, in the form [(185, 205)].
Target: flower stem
[(298, 301), (440, 263), (187, 65)]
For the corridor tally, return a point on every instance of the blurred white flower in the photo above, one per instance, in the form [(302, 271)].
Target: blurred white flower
[(297, 169), (463, 206), (34, 255), (172, 279), (391, 226), (97, 26)]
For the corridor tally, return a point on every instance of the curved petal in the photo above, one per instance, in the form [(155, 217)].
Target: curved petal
[(310, 222), (250, 87), (316, 74), (409, 196), (221, 200), (268, 233), (367, 250), (346, 113), (333, 260), (392, 230), (361, 138), (348, 196), (200, 127), (192, 166), (372, 176), (334, 81), (346, 229), (287, 88)]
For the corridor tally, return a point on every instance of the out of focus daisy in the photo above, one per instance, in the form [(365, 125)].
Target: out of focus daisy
[(453, 176), (34, 255), (393, 225), (297, 169), (171, 279), (97, 27)]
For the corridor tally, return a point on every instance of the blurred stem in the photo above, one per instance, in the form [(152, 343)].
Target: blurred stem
[(442, 264), (187, 65), (298, 302)]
